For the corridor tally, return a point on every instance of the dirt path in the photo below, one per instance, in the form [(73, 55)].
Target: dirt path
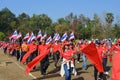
[(10, 69)]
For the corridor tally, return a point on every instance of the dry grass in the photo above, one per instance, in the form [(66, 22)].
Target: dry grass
[(12, 72)]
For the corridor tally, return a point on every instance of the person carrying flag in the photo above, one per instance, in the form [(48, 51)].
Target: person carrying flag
[(115, 51), (99, 50), (9, 49), (73, 50), (30, 55), (45, 61), (18, 50), (56, 52), (105, 56), (31, 47), (67, 62), (84, 65), (14, 48), (5, 45)]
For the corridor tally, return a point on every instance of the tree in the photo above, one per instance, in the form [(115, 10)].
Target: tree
[(23, 21), (115, 31), (61, 28), (109, 19), (96, 27), (70, 17), (7, 19), (40, 22), (23, 17), (80, 28), (61, 21), (2, 36)]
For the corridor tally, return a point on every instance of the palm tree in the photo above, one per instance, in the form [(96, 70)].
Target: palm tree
[(109, 19)]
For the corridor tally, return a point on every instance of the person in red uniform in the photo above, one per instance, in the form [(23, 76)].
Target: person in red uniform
[(67, 62), (31, 54), (84, 65), (56, 52), (115, 50), (14, 48), (104, 57), (31, 47), (99, 49), (45, 61), (18, 48), (9, 49)]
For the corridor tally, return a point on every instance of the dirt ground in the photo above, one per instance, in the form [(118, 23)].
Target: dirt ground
[(10, 69)]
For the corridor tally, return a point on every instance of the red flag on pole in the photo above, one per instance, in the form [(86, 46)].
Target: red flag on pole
[(92, 54)]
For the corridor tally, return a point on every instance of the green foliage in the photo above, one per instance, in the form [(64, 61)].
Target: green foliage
[(40, 22), (109, 18), (82, 26), (2, 36), (6, 20), (61, 28)]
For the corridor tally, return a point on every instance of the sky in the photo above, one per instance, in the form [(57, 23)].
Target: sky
[(60, 8)]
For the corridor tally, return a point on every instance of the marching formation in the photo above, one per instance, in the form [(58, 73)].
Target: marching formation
[(33, 50)]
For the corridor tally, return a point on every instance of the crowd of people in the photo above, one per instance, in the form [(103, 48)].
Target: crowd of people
[(64, 55)]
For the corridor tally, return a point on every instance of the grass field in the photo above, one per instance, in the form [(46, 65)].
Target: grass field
[(10, 69)]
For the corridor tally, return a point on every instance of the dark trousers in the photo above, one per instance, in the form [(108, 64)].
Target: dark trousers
[(32, 56), (18, 55), (78, 57), (56, 57), (5, 50), (22, 54), (13, 53), (44, 65), (104, 62), (101, 75)]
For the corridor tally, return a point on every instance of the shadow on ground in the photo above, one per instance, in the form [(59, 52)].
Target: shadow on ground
[(79, 78), (48, 76)]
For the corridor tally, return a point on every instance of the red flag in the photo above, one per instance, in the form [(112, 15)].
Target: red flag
[(91, 53), (111, 50), (26, 55), (35, 61), (116, 66)]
